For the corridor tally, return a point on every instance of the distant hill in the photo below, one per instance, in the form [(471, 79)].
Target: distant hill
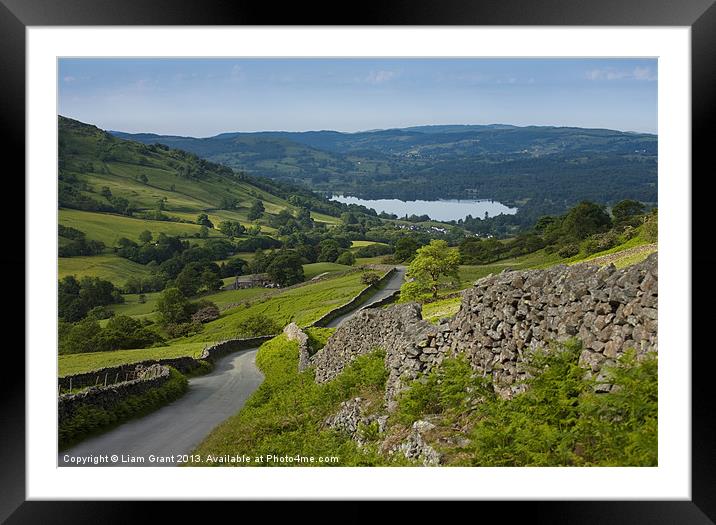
[(118, 187), (550, 167)]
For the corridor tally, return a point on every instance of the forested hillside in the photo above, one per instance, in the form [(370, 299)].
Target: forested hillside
[(540, 169)]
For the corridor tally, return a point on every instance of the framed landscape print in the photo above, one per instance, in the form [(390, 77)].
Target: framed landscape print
[(425, 256)]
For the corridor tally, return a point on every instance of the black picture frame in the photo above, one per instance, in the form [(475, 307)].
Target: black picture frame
[(699, 15)]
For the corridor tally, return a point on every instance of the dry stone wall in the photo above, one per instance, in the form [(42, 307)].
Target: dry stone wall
[(294, 333), (503, 318), (106, 397)]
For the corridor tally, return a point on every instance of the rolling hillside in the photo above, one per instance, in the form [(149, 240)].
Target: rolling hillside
[(554, 166), (110, 188)]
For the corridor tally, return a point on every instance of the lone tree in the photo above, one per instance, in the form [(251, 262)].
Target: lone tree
[(203, 219), (285, 268), (626, 209), (145, 236), (256, 210), (432, 264), (173, 307)]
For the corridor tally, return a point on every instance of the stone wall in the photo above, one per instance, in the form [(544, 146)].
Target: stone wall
[(294, 333), (106, 397), (503, 319), (121, 373), (223, 348)]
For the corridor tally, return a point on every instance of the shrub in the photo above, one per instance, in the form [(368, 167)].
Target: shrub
[(257, 325), (560, 420), (450, 388), (346, 258), (369, 278), (600, 242), (183, 329), (650, 228), (568, 250), (373, 250), (206, 314)]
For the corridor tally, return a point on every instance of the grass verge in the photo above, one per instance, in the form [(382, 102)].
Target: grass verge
[(285, 416)]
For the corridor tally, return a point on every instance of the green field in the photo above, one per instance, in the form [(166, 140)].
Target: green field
[(314, 269), (369, 260), (302, 305), (226, 297), (361, 244), (109, 228), (78, 363), (468, 274), (437, 310), (106, 266)]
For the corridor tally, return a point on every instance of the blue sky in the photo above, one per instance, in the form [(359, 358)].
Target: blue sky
[(204, 97)]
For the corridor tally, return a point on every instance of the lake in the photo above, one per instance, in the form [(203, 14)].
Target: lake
[(440, 210)]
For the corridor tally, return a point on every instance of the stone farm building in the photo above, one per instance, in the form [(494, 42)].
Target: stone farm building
[(254, 280)]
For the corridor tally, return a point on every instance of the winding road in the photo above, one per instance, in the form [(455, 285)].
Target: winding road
[(177, 428), (390, 288)]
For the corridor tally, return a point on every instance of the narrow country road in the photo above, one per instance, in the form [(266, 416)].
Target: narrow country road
[(390, 287), (180, 426)]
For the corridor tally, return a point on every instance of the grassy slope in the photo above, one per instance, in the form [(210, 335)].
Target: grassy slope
[(361, 244), (108, 228), (313, 269), (78, 363), (302, 305), (184, 197), (107, 266)]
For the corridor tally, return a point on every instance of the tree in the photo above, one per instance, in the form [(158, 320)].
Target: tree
[(585, 219), (256, 210), (210, 280), (233, 267), (173, 307), (203, 232), (286, 269), (330, 250), (626, 209), (346, 258), (143, 178), (145, 236), (231, 228), (405, 248), (431, 265), (203, 220), (123, 332), (349, 218), (76, 298)]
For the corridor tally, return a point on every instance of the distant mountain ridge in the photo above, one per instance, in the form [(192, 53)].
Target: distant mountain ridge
[(546, 168)]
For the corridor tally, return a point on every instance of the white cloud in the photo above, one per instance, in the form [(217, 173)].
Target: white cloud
[(643, 73), (236, 74), (69, 79), (638, 73), (380, 77)]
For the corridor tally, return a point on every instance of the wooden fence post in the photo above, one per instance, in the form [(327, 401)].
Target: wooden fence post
[(105, 378), (70, 384)]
